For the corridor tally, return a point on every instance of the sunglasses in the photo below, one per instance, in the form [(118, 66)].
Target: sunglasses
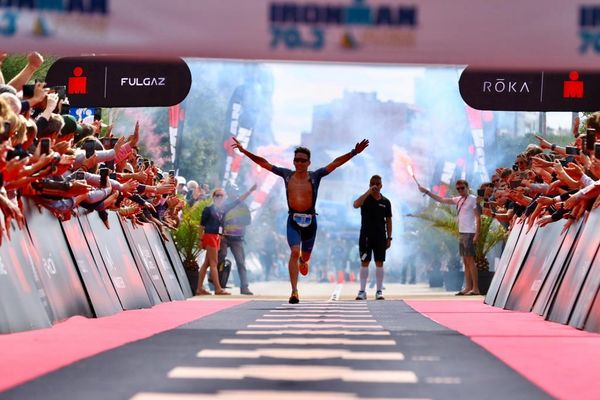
[(496, 180), (300, 160), (218, 195), (460, 188)]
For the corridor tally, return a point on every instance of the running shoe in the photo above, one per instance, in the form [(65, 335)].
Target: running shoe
[(362, 295), (379, 295), (303, 266), (294, 298)]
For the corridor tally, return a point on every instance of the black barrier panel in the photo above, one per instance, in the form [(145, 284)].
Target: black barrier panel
[(588, 293), (511, 242), (576, 271), (144, 258), (103, 297), (178, 267), (592, 323), (162, 261), (556, 271), (118, 260), (514, 266), (22, 308), (54, 264), (86, 229), (541, 256)]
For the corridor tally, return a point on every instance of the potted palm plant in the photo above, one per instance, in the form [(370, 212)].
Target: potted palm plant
[(186, 237), (443, 218)]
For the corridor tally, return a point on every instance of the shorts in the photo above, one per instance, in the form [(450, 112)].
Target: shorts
[(465, 244), (211, 240), (297, 235), (369, 246)]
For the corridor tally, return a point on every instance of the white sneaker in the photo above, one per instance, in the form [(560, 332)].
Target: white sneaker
[(362, 295), (379, 295)]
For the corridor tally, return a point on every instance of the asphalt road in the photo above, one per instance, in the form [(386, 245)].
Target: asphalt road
[(268, 349)]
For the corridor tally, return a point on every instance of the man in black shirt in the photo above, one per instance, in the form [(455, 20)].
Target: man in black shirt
[(375, 234)]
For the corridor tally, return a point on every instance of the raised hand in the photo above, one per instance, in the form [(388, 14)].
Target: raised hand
[(35, 59), (363, 144), (237, 145)]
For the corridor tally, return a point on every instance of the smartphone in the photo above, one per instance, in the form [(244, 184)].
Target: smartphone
[(597, 151), (28, 91), (515, 167), (45, 146), (60, 90), (572, 150), (90, 148), (590, 139), (515, 184), (480, 192), (103, 177), (109, 142), (569, 159), (172, 173), (79, 175)]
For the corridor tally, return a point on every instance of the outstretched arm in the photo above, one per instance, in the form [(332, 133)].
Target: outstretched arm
[(257, 159), (245, 195), (341, 160), (435, 196)]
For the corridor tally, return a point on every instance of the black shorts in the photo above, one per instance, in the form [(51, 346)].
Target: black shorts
[(466, 246), (372, 246)]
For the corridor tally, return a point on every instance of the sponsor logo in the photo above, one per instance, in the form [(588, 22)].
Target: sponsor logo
[(156, 81), (589, 29), (40, 25), (530, 91), (308, 26), (573, 88)]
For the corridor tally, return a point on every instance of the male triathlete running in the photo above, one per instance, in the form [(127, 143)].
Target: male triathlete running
[(302, 187)]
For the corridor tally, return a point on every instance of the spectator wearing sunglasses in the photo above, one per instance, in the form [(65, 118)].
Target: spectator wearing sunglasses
[(301, 187), (212, 221), (469, 222)]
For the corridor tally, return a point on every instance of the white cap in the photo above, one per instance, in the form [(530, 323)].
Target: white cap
[(181, 180)]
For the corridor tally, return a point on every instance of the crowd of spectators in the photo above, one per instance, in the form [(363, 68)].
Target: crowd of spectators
[(64, 165), (548, 183)]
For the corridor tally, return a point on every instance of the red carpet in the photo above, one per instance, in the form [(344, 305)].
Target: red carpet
[(560, 359), (28, 355)]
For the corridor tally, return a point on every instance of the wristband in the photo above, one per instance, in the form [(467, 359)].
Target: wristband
[(353, 152), (553, 147), (389, 238)]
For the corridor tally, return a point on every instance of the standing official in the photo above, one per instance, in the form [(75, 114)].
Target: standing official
[(375, 234)]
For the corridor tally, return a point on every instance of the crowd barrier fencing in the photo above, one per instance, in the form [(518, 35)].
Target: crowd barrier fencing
[(52, 270), (552, 273)]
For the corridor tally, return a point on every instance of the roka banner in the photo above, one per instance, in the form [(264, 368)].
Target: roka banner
[(536, 34)]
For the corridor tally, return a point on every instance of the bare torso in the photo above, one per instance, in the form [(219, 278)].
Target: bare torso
[(300, 192)]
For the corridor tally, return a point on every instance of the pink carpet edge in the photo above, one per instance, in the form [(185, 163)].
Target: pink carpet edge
[(31, 354), (559, 359)]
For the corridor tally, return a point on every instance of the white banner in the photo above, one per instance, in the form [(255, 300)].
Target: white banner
[(493, 33)]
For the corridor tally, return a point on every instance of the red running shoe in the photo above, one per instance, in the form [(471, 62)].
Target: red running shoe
[(303, 266)]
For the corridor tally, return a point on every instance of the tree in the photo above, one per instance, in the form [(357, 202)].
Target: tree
[(15, 63)]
